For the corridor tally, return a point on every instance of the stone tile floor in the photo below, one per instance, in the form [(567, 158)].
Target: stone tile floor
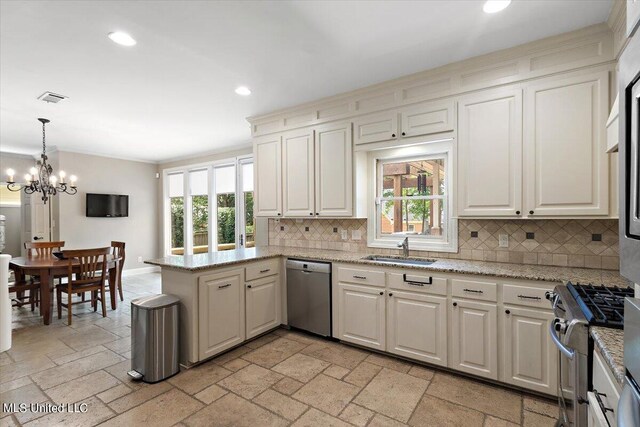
[(283, 378)]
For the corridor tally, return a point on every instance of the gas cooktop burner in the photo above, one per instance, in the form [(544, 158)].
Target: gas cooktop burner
[(601, 305)]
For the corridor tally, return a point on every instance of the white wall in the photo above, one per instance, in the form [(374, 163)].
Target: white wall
[(111, 176)]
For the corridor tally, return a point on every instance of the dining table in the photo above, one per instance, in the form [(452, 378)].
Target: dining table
[(48, 267)]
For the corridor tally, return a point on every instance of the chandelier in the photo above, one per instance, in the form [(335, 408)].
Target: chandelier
[(41, 178)]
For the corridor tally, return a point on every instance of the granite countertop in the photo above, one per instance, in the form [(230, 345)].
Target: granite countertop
[(611, 344), (211, 260)]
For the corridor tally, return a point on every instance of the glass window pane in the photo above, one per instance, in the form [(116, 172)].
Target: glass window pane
[(415, 177), (176, 205), (412, 217), (226, 214), (198, 182), (249, 231), (176, 184), (247, 177), (225, 179)]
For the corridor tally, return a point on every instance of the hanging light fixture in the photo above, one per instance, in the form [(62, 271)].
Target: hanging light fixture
[(41, 178)]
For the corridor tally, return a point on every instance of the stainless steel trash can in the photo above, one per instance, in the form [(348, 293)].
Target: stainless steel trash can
[(154, 338)]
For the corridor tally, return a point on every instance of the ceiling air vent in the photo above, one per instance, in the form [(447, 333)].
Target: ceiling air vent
[(51, 97)]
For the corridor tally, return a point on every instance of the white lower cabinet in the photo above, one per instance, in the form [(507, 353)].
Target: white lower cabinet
[(417, 326), (221, 312), (530, 358), (262, 298), (362, 315), (474, 334)]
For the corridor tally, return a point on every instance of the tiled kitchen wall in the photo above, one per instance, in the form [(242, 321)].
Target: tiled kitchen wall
[(575, 243)]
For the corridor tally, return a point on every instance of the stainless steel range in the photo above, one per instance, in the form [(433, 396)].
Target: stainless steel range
[(576, 307)]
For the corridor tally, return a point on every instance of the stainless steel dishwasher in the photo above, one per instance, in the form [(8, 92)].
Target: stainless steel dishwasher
[(309, 296)]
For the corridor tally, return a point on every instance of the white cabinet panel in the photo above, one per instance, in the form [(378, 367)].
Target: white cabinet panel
[(375, 128), (361, 315), (530, 358), (428, 118), (417, 327), (262, 305), (298, 173), (334, 170), (221, 312), (490, 154), (474, 332), (564, 137), (268, 176)]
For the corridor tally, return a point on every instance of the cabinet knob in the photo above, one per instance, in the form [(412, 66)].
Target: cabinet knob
[(508, 311), (249, 286), (310, 213), (455, 304), (317, 213), (279, 214), (381, 293), (390, 294), (530, 212), (403, 134), (517, 212), (393, 135)]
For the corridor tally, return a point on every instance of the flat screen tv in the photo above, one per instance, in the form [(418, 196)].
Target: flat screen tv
[(107, 205)]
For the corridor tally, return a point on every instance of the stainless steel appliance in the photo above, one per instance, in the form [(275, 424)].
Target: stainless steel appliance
[(629, 403), (309, 296), (629, 152), (154, 338), (576, 307)]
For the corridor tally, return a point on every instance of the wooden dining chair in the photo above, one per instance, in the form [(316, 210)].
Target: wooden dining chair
[(31, 286), (42, 249), (87, 275), (117, 250)]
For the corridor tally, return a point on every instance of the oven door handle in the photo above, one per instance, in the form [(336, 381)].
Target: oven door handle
[(563, 349)]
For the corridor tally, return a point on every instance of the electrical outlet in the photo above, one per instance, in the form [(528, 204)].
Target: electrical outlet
[(343, 234), (503, 240), (139, 259), (356, 234)]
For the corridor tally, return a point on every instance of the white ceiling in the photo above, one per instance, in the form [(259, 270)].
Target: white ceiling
[(172, 95)]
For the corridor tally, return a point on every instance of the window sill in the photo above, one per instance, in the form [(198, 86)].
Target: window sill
[(451, 247)]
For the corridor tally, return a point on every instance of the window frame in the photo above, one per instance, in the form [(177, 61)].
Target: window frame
[(430, 150)]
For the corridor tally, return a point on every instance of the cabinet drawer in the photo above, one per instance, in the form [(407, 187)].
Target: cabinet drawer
[(410, 281), (605, 384), (525, 295), (485, 291), (262, 269), (361, 276)]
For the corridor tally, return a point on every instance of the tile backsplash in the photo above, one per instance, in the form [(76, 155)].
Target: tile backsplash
[(560, 242)]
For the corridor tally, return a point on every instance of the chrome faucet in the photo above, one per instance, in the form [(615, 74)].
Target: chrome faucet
[(405, 247)]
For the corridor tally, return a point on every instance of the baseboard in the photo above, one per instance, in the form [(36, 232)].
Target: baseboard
[(141, 270)]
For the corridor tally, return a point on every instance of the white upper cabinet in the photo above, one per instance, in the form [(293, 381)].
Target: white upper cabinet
[(566, 166), (376, 128), (298, 173), (268, 175), (334, 170), (490, 154), (428, 118)]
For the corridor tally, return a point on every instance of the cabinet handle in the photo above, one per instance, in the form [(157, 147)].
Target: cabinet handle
[(360, 277), (381, 293), (224, 286), (530, 212), (600, 402), (265, 271), (403, 134), (455, 304), (393, 135), (415, 282), (508, 311), (249, 286), (517, 212), (390, 294), (473, 291), (528, 297)]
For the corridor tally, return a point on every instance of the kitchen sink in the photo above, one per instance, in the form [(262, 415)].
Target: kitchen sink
[(399, 260)]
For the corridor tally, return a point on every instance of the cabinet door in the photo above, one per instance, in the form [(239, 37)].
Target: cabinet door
[(474, 333), (530, 358), (298, 173), (268, 176), (566, 163), (221, 312), (361, 315), (262, 299), (334, 170), (417, 327), (428, 118), (375, 128), (490, 154)]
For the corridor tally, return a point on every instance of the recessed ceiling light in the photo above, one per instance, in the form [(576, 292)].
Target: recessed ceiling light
[(121, 38), (243, 90), (493, 6)]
